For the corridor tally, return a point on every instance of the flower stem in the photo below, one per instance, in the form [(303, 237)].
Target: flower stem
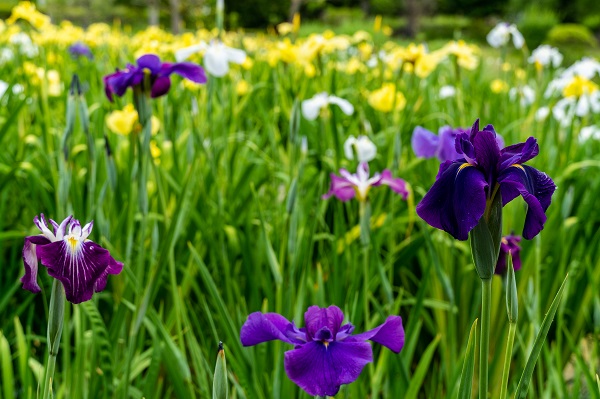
[(512, 328), (365, 239), (56, 313), (486, 299)]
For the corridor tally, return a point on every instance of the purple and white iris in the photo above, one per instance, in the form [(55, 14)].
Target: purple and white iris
[(458, 198), (150, 71), (325, 354), (81, 265), (350, 185)]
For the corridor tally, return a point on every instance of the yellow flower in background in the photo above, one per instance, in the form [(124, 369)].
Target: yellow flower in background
[(189, 85), (499, 86), (242, 88), (506, 67), (366, 50), (466, 54), (27, 11), (579, 86), (387, 98), (247, 64), (54, 84), (520, 74), (155, 152), (377, 23), (296, 22), (387, 30), (361, 36), (122, 121), (426, 64), (353, 66), (285, 28)]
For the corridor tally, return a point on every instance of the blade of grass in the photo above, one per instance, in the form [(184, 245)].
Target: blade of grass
[(466, 377)]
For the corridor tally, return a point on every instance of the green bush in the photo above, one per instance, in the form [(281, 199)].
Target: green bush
[(536, 24), (443, 26), (571, 35), (386, 7)]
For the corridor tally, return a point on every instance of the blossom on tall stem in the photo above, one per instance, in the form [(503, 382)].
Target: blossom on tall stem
[(217, 56), (326, 355), (464, 187), (150, 75), (80, 49), (312, 107), (364, 148), (544, 56), (81, 265), (501, 34), (349, 185)]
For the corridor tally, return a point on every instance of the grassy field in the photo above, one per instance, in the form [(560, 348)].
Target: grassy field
[(225, 217)]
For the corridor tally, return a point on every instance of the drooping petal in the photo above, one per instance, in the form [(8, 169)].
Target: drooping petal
[(118, 82), (456, 201), (518, 153), (235, 55), (114, 267), (424, 143), (262, 327), (396, 184), (320, 370), (341, 188), (390, 334), (30, 262), (184, 53), (161, 86), (344, 105), (316, 318), (215, 60), (312, 107), (535, 187), (186, 70), (78, 267)]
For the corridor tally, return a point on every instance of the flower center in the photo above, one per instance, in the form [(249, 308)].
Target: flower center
[(72, 242)]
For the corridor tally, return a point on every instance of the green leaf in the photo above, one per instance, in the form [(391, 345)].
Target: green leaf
[(8, 380), (537, 345), (466, 377), (416, 380)]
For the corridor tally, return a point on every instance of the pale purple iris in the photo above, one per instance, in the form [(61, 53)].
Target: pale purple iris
[(80, 49), (458, 198), (509, 244), (427, 144), (348, 185), (325, 354), (81, 265), (152, 75)]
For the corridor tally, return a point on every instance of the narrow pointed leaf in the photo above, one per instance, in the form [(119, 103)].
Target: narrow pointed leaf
[(466, 377)]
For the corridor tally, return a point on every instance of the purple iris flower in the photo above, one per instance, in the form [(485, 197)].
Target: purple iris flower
[(150, 71), (509, 244), (81, 265), (427, 144), (348, 185), (458, 198), (325, 354), (80, 49)]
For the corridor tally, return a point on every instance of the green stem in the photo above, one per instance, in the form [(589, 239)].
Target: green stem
[(56, 313), (486, 301), (512, 328)]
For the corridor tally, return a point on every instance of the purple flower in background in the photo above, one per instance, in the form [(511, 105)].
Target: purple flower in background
[(509, 244), (427, 144), (150, 71), (348, 185), (80, 49), (458, 198), (325, 354), (81, 265)]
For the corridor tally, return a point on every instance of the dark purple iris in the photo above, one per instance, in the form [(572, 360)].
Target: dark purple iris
[(151, 75), (509, 244), (325, 355), (427, 144), (80, 49), (464, 187), (81, 265)]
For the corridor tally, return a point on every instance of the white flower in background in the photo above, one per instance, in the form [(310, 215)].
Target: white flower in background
[(6, 55), (312, 107), (500, 35), (525, 94), (545, 55), (447, 91), (572, 106), (586, 68), (363, 146), (217, 56), (3, 87), (26, 46), (542, 113), (589, 132)]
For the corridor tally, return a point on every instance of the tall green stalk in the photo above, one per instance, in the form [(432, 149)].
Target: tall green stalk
[(484, 348), (56, 313)]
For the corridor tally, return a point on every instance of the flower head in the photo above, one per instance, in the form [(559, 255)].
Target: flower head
[(544, 56), (325, 354), (80, 49), (348, 185), (386, 98), (81, 265), (464, 187), (313, 106), (217, 56), (509, 245), (363, 146), (427, 144), (152, 75), (500, 35)]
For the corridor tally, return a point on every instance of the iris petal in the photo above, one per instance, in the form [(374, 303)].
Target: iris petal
[(161, 86), (519, 153), (320, 370), (187, 70), (456, 201), (535, 187), (30, 261), (261, 327), (316, 318), (487, 152), (425, 143), (396, 184), (82, 267), (390, 334), (341, 188)]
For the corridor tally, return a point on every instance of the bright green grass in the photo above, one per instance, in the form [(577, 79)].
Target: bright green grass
[(227, 235)]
